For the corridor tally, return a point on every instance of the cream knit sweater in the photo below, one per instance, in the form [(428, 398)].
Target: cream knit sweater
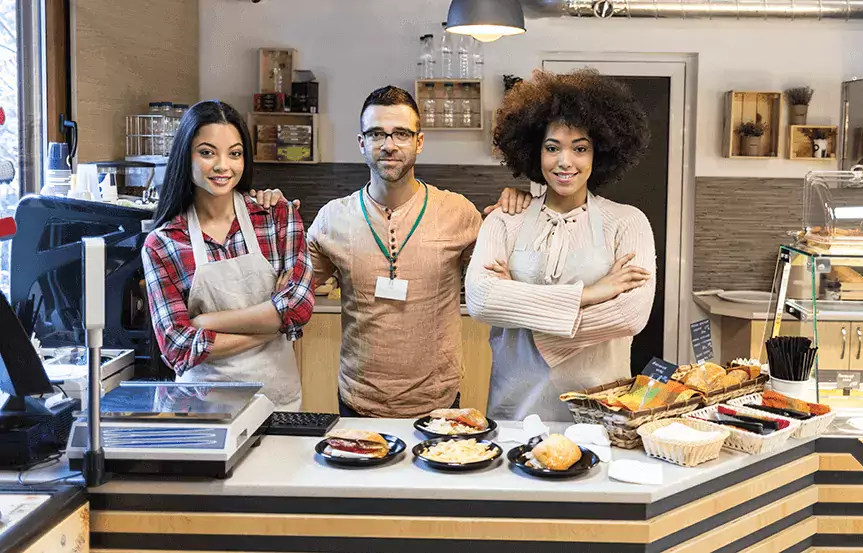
[(561, 328)]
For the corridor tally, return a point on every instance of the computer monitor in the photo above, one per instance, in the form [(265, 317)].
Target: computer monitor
[(21, 371)]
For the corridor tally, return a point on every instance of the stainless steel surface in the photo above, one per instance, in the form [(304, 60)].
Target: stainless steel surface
[(32, 106), (827, 310), (704, 9), (178, 401), (94, 397)]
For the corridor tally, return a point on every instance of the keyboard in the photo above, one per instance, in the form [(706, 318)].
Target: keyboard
[(287, 423)]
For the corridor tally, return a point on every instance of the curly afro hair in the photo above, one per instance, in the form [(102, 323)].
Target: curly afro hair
[(585, 99)]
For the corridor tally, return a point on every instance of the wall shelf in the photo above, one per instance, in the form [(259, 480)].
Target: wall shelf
[(800, 146), (289, 138), (752, 106), (434, 90)]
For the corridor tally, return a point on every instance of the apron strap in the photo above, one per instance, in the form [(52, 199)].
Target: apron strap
[(249, 235), (199, 249), (525, 236)]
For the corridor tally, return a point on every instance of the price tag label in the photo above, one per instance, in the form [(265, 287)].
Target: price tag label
[(659, 370), (702, 341)]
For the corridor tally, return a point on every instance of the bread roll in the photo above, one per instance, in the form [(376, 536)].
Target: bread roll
[(469, 416), (557, 452)]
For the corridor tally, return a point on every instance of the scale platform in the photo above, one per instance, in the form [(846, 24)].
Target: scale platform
[(193, 429)]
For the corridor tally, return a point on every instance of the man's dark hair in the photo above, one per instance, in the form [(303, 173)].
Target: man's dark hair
[(391, 96)]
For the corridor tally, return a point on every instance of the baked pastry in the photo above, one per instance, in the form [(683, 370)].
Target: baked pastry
[(557, 452), (733, 378), (704, 378), (347, 442), (468, 416)]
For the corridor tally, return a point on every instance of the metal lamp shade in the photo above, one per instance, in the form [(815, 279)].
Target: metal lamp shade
[(485, 20)]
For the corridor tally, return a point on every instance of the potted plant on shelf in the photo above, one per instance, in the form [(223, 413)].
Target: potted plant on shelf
[(750, 137), (819, 138), (799, 98)]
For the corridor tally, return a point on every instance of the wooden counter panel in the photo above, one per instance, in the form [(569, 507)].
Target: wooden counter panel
[(785, 539), (598, 531), (839, 462), (71, 535)]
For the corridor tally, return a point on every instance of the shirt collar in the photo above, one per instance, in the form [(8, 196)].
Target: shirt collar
[(179, 222)]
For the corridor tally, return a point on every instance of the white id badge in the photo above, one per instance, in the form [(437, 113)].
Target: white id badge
[(392, 289)]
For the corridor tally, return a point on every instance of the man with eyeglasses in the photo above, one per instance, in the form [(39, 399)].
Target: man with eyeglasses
[(399, 246)]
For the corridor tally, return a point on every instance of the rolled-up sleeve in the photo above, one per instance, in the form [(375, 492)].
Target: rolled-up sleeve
[(182, 345), (295, 301)]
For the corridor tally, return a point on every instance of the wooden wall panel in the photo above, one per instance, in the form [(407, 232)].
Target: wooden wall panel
[(127, 54)]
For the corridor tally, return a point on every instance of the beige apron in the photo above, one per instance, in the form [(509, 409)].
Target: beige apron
[(237, 283), (522, 383)]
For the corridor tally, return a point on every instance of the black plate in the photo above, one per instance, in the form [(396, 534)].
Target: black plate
[(588, 461), (455, 466), (396, 447), (420, 424)]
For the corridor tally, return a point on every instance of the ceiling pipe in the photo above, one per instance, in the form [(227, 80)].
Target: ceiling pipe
[(702, 9)]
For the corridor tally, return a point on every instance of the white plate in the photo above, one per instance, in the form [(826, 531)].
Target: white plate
[(745, 296)]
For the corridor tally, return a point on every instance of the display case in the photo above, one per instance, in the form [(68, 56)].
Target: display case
[(833, 211), (818, 290)]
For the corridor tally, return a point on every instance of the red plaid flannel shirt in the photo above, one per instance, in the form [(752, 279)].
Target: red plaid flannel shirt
[(169, 266)]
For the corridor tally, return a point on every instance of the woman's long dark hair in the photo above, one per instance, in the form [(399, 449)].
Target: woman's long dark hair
[(177, 190)]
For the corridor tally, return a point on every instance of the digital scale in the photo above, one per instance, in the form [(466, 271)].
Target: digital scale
[(195, 429)]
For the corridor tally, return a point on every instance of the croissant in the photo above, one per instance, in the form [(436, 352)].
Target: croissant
[(557, 452)]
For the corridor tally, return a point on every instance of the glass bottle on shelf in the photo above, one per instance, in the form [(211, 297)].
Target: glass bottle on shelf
[(448, 106), (427, 57), (429, 107), (477, 60), (464, 56), (466, 107), (446, 54)]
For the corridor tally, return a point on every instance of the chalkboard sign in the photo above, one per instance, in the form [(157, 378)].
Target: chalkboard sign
[(659, 369), (702, 341)]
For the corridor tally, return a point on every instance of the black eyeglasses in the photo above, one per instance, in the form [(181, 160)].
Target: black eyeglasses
[(399, 136)]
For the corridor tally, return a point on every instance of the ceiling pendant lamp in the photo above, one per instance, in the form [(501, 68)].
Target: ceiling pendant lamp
[(485, 20)]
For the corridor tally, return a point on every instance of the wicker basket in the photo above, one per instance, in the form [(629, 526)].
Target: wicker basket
[(744, 441), (738, 390), (809, 428), (687, 454), (622, 425)]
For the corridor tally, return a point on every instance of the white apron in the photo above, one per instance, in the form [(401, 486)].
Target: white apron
[(522, 383), (237, 283)]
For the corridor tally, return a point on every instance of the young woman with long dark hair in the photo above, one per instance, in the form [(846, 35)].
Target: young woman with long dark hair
[(229, 281)]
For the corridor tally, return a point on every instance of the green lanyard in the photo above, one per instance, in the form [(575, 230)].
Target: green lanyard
[(392, 258)]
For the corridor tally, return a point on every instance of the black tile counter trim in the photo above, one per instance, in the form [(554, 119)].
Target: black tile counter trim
[(723, 482), (64, 501), (838, 540), (839, 509), (274, 544), (364, 506), (839, 477)]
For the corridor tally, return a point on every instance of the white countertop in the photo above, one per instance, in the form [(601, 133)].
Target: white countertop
[(288, 467), (721, 308), (323, 304)]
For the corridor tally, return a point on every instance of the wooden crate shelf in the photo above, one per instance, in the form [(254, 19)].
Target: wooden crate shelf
[(800, 145), (463, 89), (259, 119), (751, 106)]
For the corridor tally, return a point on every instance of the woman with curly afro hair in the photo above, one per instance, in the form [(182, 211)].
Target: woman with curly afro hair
[(569, 281)]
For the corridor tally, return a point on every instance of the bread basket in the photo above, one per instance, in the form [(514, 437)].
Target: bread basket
[(808, 428), (687, 454)]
